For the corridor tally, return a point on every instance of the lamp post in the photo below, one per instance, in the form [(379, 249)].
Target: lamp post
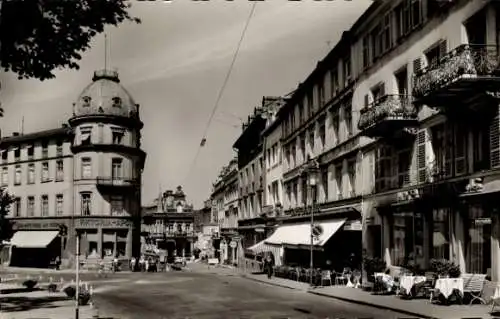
[(310, 171)]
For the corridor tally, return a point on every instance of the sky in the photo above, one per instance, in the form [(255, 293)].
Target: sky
[(174, 64)]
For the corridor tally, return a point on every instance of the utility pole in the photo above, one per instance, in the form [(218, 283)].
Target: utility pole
[(77, 315)]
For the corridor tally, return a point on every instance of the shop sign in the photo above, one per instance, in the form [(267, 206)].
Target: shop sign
[(94, 223), (260, 229), (39, 225), (482, 221), (355, 225)]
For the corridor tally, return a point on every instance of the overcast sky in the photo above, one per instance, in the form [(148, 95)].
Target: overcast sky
[(174, 64)]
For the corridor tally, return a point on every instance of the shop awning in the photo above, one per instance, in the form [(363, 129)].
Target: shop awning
[(260, 247), (33, 239), (300, 234)]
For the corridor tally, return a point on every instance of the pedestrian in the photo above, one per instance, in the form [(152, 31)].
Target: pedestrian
[(270, 265), (132, 264), (58, 263)]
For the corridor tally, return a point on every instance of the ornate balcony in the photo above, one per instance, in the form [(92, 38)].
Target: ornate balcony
[(464, 76), (388, 115)]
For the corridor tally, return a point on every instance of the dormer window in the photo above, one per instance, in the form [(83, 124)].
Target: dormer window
[(86, 101), (117, 102)]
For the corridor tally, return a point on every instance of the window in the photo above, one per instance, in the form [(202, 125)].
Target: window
[(386, 33), (404, 163), (376, 41), (348, 119), (5, 156), (334, 78), (45, 149), (383, 168), (347, 71), (402, 81), (45, 172), (116, 168), (304, 191), (59, 148), (303, 145), (31, 151), (85, 135), (17, 207), (478, 238), (310, 104), (17, 176), (59, 170), (324, 182), (301, 113), (366, 52), (351, 171), (116, 205), (17, 153), (335, 123), (338, 179), (321, 94), (378, 91), (408, 238), (59, 204), (85, 204), (440, 238), (5, 176), (322, 132), (118, 137), (31, 206), (117, 102), (416, 13), (31, 173), (45, 205), (311, 139), (86, 168)]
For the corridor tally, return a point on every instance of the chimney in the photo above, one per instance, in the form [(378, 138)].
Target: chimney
[(15, 134)]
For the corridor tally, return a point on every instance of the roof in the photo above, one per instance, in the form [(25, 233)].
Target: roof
[(40, 135)]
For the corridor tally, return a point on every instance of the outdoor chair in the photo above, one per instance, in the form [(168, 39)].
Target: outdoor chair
[(343, 277), (473, 286), (326, 275)]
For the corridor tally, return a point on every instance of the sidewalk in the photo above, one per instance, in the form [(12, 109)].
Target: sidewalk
[(417, 307), (41, 304)]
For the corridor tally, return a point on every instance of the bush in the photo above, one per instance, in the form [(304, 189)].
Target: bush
[(373, 265), (444, 268), (30, 284), (70, 291)]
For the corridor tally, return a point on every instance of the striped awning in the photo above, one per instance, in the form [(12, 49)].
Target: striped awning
[(262, 247)]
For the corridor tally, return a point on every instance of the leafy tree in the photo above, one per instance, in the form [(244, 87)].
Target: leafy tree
[(39, 36), (6, 229)]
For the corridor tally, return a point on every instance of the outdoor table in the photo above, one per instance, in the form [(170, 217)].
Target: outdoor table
[(446, 286), (406, 283)]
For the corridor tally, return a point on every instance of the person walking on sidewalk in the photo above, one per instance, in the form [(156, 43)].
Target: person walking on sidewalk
[(269, 266)]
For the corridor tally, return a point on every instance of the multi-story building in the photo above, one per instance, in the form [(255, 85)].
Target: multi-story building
[(206, 229), (167, 226), (225, 195), (253, 225), (85, 177), (427, 96), (273, 160)]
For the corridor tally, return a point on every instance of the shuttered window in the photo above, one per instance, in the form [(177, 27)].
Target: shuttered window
[(495, 142), (460, 151), (422, 138)]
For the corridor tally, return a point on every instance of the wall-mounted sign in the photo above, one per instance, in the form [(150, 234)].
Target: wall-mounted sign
[(482, 221), (260, 229), (94, 222), (354, 225)]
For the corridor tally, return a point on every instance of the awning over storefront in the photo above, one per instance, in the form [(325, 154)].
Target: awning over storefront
[(262, 247), (33, 239), (300, 234)]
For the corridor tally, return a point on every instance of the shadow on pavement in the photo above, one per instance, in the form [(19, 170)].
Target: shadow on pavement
[(14, 304)]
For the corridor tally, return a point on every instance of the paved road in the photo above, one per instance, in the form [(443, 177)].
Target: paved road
[(218, 296)]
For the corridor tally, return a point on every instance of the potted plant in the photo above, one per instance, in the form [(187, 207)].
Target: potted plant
[(445, 268), (372, 265)]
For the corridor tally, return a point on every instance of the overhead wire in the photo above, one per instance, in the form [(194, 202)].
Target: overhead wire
[(219, 96)]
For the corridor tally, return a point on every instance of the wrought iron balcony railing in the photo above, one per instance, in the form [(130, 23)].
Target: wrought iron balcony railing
[(465, 61), (388, 107), (116, 181)]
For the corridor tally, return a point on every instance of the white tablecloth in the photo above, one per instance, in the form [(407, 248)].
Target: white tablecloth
[(447, 285), (407, 282)]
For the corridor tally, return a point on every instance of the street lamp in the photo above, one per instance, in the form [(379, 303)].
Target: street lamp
[(310, 171)]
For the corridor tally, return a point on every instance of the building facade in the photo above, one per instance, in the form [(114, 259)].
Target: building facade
[(206, 229), (85, 176), (253, 224), (168, 226), (427, 98)]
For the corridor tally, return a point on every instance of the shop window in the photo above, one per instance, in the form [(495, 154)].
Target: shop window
[(407, 239), (478, 237), (441, 231)]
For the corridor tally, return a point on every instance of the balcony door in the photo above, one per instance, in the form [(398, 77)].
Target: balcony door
[(116, 169), (476, 28)]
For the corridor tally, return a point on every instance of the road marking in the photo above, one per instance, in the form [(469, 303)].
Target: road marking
[(148, 282)]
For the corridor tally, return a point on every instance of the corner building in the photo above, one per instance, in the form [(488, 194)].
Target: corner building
[(102, 172)]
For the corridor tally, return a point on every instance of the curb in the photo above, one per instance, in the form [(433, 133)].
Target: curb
[(271, 283), (371, 304)]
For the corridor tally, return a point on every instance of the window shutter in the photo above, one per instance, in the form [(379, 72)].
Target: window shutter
[(366, 100), (421, 155), (417, 65), (460, 151), (495, 142), (443, 49)]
